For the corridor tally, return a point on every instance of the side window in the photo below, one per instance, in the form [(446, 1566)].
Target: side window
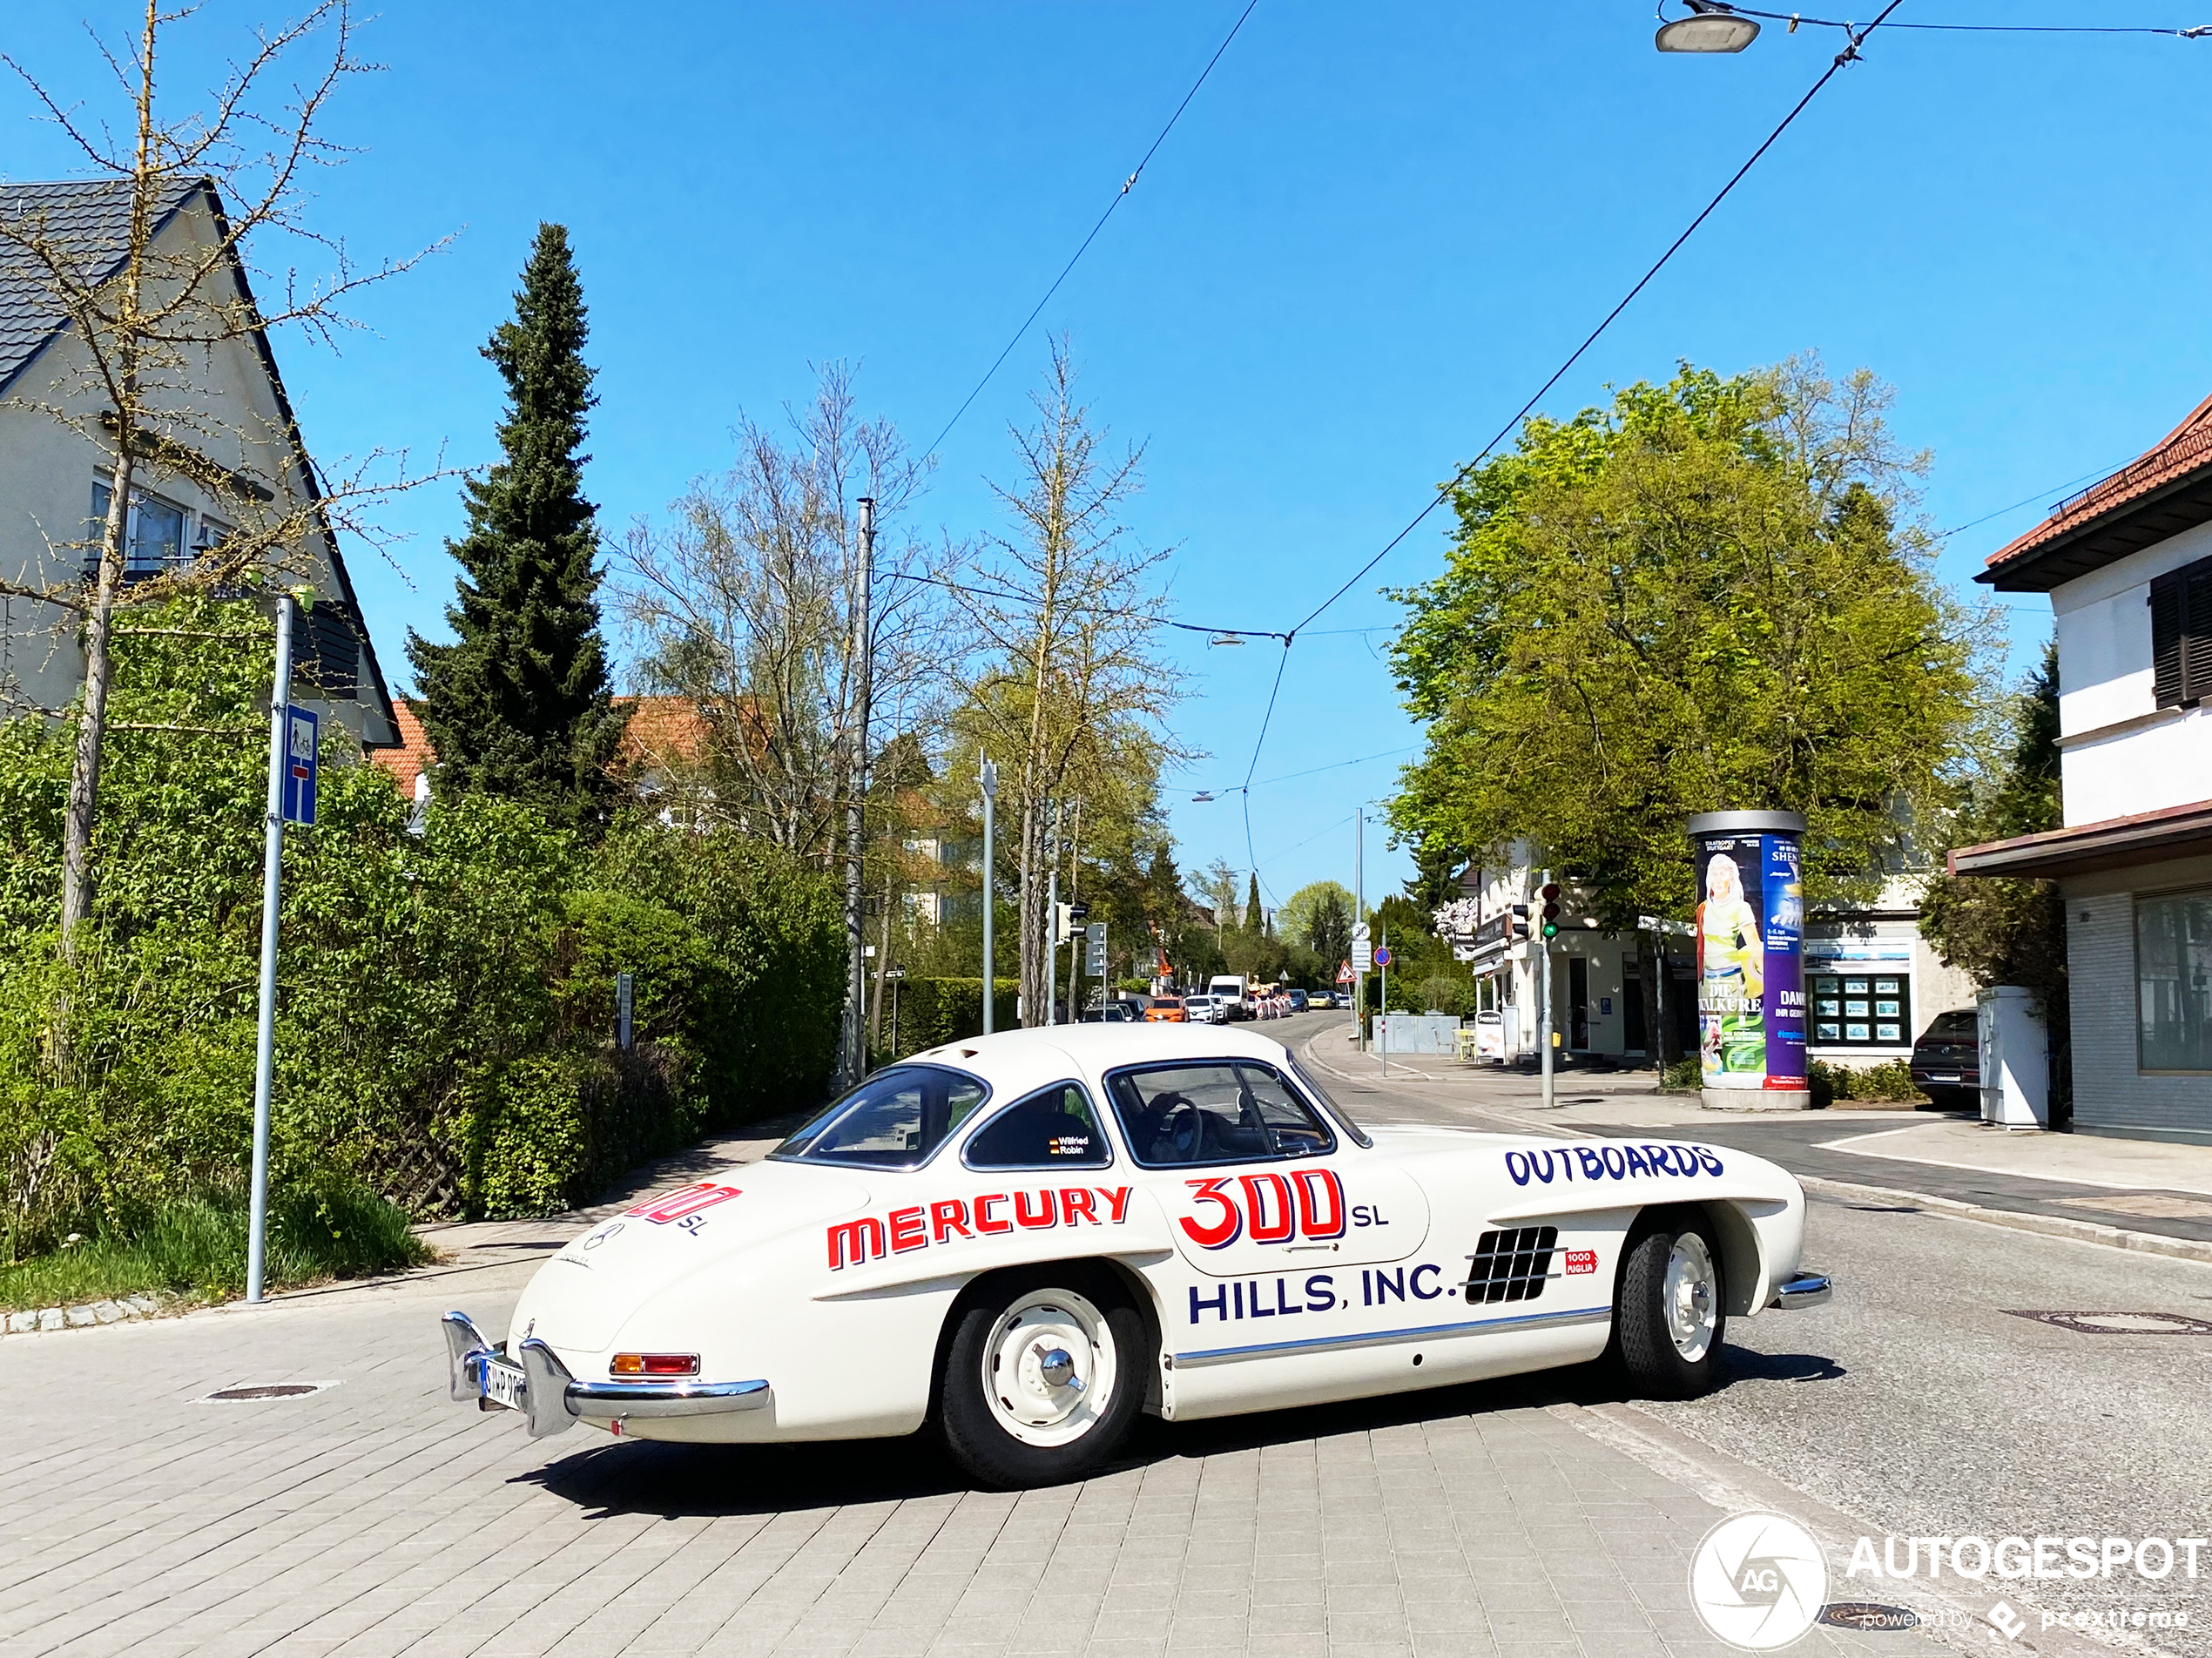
[(1054, 1128), (894, 1120), (1217, 1112)]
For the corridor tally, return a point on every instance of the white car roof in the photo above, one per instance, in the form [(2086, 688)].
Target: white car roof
[(1023, 1058)]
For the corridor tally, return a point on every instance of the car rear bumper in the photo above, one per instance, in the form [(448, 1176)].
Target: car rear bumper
[(1804, 1289), (536, 1383)]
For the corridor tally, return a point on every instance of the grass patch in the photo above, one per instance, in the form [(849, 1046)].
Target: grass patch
[(331, 1228)]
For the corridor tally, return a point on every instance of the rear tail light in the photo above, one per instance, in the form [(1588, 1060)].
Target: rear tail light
[(639, 1366)]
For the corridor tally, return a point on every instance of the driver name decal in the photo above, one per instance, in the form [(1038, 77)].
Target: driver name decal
[(919, 1225), (1612, 1160)]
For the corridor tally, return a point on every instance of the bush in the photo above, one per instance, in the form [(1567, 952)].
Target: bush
[(445, 998), (934, 1011), (1888, 1083), (1683, 1076), (1448, 993)]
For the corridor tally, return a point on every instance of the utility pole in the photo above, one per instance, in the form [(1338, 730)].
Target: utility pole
[(990, 784), (1052, 926), (272, 870), (853, 1060), (1074, 938), (1359, 915), (1544, 999)]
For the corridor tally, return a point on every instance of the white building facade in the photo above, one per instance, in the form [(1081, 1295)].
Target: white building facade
[(2128, 567)]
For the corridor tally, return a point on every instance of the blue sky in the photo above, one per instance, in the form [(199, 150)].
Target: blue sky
[(1374, 233)]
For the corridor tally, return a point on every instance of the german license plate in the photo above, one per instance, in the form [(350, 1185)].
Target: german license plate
[(504, 1384), (1942, 1076)]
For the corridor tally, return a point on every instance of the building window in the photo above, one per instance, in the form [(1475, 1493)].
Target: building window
[(2173, 982), (1870, 1009), (154, 534), (2181, 635)]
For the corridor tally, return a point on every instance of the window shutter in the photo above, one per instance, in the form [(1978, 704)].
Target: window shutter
[(2167, 595), (2196, 630)]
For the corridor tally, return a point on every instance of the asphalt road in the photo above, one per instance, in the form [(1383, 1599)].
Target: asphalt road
[(1920, 1402)]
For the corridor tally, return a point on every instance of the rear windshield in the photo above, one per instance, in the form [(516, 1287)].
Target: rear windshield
[(894, 1120), (1960, 1023)]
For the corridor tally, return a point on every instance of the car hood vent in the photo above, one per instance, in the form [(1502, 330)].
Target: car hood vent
[(1511, 1264)]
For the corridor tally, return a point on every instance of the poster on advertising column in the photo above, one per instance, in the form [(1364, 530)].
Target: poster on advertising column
[(1750, 935)]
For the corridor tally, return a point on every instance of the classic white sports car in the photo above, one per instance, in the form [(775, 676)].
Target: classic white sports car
[(1025, 1239)]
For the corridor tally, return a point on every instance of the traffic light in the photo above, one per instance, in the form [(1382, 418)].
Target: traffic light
[(1550, 895), (1063, 923), (1516, 923)]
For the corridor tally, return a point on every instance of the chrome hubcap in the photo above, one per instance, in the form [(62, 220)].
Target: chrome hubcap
[(1049, 1367), (1692, 1297)]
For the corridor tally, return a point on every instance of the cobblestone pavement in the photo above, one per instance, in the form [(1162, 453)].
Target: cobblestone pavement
[(375, 1517)]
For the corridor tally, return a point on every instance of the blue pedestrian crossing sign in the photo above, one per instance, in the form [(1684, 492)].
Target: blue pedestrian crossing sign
[(299, 796)]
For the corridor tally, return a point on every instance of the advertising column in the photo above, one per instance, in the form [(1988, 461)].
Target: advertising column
[(1750, 935)]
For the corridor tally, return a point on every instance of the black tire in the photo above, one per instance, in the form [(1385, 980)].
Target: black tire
[(1010, 1326), (1661, 1334)]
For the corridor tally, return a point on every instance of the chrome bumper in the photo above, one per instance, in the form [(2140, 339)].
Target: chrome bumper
[(551, 1398), (1803, 1289)]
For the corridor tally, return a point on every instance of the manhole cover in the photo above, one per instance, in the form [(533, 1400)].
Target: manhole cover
[(1867, 1614), (245, 1390), (2120, 1323), (2148, 1207)]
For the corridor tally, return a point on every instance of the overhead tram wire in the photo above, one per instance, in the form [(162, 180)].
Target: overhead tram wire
[(1850, 54), (1127, 184)]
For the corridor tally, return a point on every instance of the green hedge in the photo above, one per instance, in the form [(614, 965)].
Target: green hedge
[(935, 1011), (446, 997)]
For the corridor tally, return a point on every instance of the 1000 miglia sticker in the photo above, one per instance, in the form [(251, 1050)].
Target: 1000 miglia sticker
[(1608, 1161)]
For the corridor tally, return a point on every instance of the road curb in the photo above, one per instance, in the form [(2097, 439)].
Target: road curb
[(2114, 1237)]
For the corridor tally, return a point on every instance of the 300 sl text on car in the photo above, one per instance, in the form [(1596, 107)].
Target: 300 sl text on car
[(1027, 1238)]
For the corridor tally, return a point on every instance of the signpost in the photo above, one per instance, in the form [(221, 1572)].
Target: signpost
[(988, 782), (625, 1000), (298, 805), (1095, 949), (282, 796)]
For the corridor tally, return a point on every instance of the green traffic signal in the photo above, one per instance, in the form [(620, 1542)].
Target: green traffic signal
[(1551, 929)]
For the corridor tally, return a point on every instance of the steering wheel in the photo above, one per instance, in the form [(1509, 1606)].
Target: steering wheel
[(1176, 1139)]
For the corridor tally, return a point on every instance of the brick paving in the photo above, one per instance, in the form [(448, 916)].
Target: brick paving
[(377, 1517)]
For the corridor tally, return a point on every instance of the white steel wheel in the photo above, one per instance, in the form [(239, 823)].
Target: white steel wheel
[(1043, 1369), (1692, 1297), (1049, 1367), (1670, 1306)]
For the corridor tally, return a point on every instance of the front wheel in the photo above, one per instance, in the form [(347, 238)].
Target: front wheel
[(1043, 1377), (1670, 1313)]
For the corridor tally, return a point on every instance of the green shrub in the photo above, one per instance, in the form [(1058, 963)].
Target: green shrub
[(934, 1011), (1889, 1082), (1683, 1076)]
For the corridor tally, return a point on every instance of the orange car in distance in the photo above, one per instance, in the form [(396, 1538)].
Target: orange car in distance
[(1166, 1010)]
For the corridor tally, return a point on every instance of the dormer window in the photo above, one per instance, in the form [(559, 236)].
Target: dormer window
[(154, 534), (2181, 635)]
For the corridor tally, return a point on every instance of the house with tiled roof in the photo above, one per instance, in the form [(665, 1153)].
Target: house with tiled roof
[(2126, 564), (664, 748), (220, 413)]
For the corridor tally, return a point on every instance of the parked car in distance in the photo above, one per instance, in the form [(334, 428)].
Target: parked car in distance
[(1167, 1010), (1119, 1012), (1204, 1010), (1299, 1001), (1946, 1061)]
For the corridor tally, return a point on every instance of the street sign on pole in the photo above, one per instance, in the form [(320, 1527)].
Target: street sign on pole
[(625, 1000), (1095, 949), (1363, 954), (1344, 973), (1382, 956), (300, 729)]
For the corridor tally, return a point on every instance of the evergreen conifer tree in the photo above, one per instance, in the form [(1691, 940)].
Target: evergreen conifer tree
[(520, 703), (1252, 905)]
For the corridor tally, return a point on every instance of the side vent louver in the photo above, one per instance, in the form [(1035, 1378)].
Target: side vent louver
[(1511, 1264)]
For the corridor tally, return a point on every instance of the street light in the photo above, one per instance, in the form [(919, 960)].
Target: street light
[(1710, 27)]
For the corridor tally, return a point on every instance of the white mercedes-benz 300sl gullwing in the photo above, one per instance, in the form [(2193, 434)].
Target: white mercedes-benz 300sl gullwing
[(1025, 1239)]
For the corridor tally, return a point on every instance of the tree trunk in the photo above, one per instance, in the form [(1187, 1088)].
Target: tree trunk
[(91, 725), (1652, 964), (882, 966), (1032, 968)]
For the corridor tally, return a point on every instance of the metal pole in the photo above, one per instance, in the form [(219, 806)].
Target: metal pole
[(1359, 915), (1659, 1016), (1544, 991), (990, 781), (264, 1032), (1052, 927), (1074, 938), (853, 1061)]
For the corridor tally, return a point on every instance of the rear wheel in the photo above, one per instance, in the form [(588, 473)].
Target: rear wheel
[(1043, 1376), (1671, 1314)]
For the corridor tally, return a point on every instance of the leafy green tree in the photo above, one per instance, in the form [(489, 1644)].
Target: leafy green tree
[(1704, 596), (1254, 921), (1318, 916), (520, 703), (2010, 929)]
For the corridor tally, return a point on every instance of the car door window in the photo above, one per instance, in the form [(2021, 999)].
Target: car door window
[(1219, 1111), (894, 1120), (1054, 1128)]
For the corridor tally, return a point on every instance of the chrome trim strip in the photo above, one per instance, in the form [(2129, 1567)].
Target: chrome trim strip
[(1384, 1338), (652, 1400), (1804, 1289)]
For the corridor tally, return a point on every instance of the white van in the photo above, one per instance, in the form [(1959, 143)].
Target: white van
[(1232, 993)]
